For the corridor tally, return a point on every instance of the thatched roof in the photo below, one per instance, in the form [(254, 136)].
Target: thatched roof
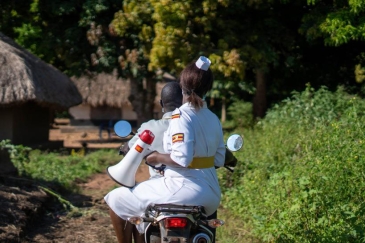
[(109, 89), (103, 89), (24, 77)]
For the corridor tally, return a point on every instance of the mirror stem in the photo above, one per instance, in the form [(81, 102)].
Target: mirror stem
[(231, 170)]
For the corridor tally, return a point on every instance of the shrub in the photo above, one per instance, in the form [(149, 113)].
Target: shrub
[(240, 114), (301, 175), (58, 168), (18, 154)]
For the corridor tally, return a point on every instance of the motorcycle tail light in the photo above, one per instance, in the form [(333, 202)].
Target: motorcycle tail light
[(135, 220), (215, 223), (175, 222)]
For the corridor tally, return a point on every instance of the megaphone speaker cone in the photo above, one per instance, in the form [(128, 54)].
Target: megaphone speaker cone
[(120, 175), (125, 171)]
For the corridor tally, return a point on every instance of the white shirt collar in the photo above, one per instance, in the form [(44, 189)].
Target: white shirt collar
[(188, 104), (167, 115)]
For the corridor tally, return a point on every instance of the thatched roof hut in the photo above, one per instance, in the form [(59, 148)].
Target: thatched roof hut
[(105, 96), (24, 77), (110, 90), (30, 91), (103, 90)]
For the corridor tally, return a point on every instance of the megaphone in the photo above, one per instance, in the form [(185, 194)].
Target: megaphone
[(125, 171)]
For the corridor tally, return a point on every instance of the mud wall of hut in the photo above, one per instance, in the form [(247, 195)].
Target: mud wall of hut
[(26, 124)]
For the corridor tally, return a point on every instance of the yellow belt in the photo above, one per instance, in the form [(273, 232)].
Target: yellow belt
[(202, 162)]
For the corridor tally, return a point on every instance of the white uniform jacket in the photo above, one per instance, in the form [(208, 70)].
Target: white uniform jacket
[(157, 127), (202, 137)]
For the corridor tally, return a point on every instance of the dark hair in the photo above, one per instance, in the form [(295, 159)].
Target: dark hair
[(171, 96), (196, 83)]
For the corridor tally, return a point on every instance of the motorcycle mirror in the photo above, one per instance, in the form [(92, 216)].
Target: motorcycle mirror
[(235, 142), (123, 129)]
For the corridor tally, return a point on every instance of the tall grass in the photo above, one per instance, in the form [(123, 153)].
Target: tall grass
[(66, 169), (59, 168), (301, 176)]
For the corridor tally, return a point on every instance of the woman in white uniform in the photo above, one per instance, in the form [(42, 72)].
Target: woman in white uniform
[(194, 146)]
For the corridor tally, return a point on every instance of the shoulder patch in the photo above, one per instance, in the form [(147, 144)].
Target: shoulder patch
[(175, 116), (178, 137), (176, 113)]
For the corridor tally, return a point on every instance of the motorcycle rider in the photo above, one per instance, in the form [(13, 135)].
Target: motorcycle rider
[(195, 143), (171, 98), (200, 138)]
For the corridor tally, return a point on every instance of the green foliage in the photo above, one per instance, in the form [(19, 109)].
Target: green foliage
[(62, 169), (359, 73), (184, 30), (232, 230), (310, 107), (337, 22), (19, 154), (132, 25), (66, 169), (57, 32), (141, 37), (300, 176), (240, 115), (62, 114)]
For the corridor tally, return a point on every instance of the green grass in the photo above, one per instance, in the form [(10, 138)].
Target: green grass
[(60, 168), (234, 229), (301, 173)]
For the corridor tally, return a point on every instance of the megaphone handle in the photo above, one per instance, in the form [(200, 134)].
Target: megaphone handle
[(160, 168), (150, 165)]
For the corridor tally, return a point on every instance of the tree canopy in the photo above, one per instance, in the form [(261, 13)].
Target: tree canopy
[(260, 50)]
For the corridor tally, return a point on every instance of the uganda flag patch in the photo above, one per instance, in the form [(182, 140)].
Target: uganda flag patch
[(139, 148), (178, 137), (175, 116)]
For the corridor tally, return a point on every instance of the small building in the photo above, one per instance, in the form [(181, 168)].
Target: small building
[(31, 90), (105, 98)]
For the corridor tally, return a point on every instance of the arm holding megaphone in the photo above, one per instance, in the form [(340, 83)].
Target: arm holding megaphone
[(125, 171)]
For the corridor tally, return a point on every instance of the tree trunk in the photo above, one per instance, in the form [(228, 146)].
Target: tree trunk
[(224, 111), (142, 96), (259, 101)]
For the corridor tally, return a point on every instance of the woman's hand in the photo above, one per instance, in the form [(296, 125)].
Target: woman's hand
[(152, 158)]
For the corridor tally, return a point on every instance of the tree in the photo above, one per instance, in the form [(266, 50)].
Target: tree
[(238, 36), (77, 38), (338, 24), (56, 32), (132, 25), (255, 47), (185, 30)]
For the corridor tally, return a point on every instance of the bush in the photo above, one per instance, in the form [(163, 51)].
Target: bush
[(58, 168), (240, 115), (301, 175)]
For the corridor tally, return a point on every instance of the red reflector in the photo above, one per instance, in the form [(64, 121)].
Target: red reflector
[(176, 222)]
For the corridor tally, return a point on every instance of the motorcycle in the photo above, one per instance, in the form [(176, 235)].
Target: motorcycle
[(170, 222)]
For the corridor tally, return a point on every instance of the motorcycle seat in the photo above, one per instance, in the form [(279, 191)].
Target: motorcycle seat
[(174, 208)]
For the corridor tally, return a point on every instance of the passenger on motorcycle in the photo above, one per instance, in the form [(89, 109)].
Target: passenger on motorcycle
[(194, 146), (171, 98)]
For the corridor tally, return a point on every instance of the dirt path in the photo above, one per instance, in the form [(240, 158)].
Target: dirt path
[(90, 223)]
